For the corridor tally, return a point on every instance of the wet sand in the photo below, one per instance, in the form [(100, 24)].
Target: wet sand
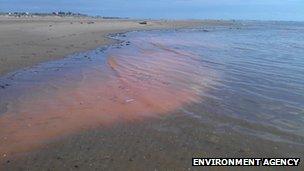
[(96, 97), (168, 143), (93, 89)]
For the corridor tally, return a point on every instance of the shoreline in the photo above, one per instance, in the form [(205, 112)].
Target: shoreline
[(30, 41), (169, 141)]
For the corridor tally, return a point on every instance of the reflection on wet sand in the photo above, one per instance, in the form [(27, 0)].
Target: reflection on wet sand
[(139, 81)]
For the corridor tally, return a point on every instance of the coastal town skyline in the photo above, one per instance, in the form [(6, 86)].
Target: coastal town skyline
[(290, 10)]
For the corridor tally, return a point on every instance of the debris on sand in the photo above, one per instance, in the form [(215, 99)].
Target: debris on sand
[(130, 100), (3, 86), (143, 22)]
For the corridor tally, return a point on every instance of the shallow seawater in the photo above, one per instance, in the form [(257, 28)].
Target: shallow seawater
[(247, 78)]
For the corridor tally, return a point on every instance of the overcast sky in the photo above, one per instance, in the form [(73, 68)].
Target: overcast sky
[(173, 9)]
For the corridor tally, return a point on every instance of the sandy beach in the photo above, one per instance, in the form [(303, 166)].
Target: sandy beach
[(150, 103), (28, 41)]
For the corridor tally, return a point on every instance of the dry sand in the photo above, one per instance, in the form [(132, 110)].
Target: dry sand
[(28, 41)]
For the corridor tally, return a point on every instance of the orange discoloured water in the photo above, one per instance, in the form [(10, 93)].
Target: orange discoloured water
[(132, 84)]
